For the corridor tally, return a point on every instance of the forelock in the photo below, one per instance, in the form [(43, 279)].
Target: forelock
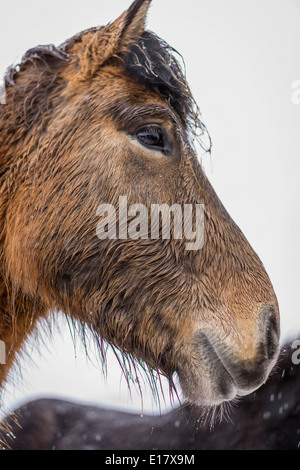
[(153, 63)]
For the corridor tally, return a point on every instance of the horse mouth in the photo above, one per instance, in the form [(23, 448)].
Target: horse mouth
[(208, 382), (215, 377)]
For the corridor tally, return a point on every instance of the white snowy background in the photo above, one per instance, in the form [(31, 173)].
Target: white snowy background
[(243, 60)]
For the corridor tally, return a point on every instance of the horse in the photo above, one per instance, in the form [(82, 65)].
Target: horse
[(105, 116), (267, 419)]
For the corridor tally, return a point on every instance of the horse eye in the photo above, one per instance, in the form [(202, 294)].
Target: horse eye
[(152, 137)]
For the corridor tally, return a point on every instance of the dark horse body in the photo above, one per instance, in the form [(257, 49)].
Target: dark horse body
[(109, 114), (269, 419)]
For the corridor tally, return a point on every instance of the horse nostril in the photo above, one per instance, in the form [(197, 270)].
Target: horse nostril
[(272, 333)]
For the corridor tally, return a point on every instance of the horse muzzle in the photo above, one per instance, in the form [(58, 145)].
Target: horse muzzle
[(224, 369)]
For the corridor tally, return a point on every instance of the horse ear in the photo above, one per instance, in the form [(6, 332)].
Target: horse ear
[(134, 24), (114, 39)]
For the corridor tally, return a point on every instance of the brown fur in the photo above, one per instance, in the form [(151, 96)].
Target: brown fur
[(64, 150)]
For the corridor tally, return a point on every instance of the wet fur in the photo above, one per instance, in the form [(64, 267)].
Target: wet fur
[(65, 150)]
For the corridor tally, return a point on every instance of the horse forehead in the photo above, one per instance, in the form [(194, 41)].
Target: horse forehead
[(109, 83), (116, 83)]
